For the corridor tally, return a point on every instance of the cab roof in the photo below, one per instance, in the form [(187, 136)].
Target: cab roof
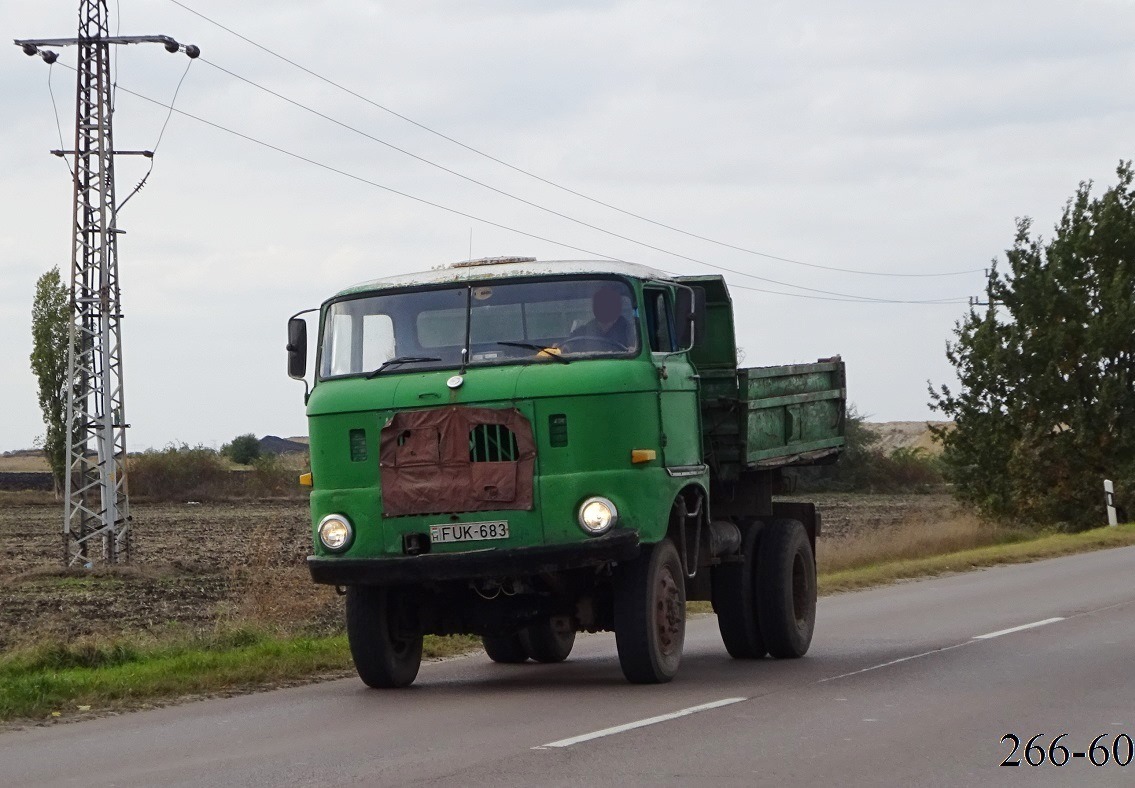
[(507, 267)]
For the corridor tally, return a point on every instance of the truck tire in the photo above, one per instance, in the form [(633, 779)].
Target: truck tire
[(507, 649), (545, 644), (650, 614), (786, 589), (735, 600), (386, 650)]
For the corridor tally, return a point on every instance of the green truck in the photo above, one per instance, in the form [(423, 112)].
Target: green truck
[(525, 450)]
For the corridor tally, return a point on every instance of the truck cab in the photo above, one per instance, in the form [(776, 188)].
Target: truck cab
[(522, 450)]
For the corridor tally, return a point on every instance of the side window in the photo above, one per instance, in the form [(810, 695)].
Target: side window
[(659, 320)]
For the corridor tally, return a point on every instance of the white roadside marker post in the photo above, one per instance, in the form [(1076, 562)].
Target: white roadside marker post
[(1109, 498)]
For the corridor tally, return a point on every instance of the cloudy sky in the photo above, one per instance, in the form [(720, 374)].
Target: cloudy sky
[(875, 136)]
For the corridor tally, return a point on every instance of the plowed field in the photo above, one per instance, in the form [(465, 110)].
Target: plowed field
[(199, 566)]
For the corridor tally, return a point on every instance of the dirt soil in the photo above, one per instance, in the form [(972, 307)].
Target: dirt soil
[(197, 567), (194, 567)]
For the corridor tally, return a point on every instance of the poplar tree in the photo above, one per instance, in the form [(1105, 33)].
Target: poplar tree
[(51, 323), (1045, 409)]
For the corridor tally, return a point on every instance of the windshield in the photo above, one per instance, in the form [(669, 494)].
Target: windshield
[(551, 320)]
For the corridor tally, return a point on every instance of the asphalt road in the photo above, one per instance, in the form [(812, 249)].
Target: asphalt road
[(900, 688)]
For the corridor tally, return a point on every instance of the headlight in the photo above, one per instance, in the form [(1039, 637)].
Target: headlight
[(597, 515), (335, 532)]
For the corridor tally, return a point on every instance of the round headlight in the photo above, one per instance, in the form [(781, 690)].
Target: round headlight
[(597, 515), (335, 532)]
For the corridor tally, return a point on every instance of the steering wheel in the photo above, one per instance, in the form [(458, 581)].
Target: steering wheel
[(616, 345)]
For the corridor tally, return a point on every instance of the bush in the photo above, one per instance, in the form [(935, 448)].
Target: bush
[(177, 472), (865, 466), (244, 449), (273, 477)]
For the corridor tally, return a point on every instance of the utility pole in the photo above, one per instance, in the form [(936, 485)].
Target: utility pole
[(97, 507)]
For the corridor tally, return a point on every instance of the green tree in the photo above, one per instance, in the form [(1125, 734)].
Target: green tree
[(51, 322), (1045, 409), (244, 449), (866, 466)]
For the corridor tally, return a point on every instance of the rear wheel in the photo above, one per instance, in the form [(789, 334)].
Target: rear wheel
[(547, 644), (385, 642), (507, 649), (650, 614), (786, 589), (735, 599)]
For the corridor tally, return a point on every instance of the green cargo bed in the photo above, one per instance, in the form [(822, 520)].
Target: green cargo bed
[(770, 417)]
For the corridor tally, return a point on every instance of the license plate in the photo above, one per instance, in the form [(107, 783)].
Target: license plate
[(469, 532)]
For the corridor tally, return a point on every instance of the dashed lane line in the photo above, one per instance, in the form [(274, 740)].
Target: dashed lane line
[(717, 704)]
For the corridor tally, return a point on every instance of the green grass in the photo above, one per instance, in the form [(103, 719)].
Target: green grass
[(65, 679), (1014, 551), (59, 679)]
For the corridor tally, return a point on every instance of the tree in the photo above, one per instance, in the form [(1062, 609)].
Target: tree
[(244, 449), (1046, 404), (866, 465), (51, 324)]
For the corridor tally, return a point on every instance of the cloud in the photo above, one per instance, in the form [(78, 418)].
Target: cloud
[(880, 135)]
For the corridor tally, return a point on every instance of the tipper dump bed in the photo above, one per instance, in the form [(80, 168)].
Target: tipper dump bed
[(762, 417), (767, 417)]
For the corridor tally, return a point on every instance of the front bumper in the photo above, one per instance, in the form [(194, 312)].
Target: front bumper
[(618, 545)]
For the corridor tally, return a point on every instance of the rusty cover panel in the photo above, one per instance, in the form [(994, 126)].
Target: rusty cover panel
[(430, 464)]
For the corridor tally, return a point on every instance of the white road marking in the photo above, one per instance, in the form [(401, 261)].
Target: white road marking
[(1022, 627), (894, 662), (640, 723), (987, 636)]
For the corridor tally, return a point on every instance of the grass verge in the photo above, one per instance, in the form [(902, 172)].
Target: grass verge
[(67, 679), (74, 679), (1014, 551)]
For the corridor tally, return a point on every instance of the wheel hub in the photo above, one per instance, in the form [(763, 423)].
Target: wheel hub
[(668, 612)]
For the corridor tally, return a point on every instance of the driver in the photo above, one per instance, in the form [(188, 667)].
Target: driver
[(608, 323)]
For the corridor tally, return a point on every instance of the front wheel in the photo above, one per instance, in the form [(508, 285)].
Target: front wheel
[(385, 642), (786, 589), (544, 643), (650, 614)]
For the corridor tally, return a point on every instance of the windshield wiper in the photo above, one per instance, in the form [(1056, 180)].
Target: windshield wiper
[(538, 348), (401, 360)]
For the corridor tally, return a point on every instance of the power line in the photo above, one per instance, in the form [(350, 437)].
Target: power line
[(154, 150), (172, 101), (55, 108), (552, 183), (511, 196), (522, 200), (491, 223)]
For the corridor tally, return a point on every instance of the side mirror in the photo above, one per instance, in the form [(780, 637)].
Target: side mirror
[(690, 313), (297, 348)]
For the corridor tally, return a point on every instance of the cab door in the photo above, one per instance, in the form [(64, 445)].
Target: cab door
[(678, 403)]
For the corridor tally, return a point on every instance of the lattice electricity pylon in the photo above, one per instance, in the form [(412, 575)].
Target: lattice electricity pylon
[(97, 507)]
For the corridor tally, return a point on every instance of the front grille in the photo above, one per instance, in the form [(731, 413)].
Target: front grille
[(492, 443)]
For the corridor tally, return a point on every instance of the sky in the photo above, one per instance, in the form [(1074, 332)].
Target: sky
[(878, 136)]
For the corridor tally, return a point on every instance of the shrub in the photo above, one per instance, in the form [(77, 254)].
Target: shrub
[(865, 466), (177, 471), (244, 449), (273, 477)]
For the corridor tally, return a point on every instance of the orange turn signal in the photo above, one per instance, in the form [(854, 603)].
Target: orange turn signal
[(305, 480), (639, 456)]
